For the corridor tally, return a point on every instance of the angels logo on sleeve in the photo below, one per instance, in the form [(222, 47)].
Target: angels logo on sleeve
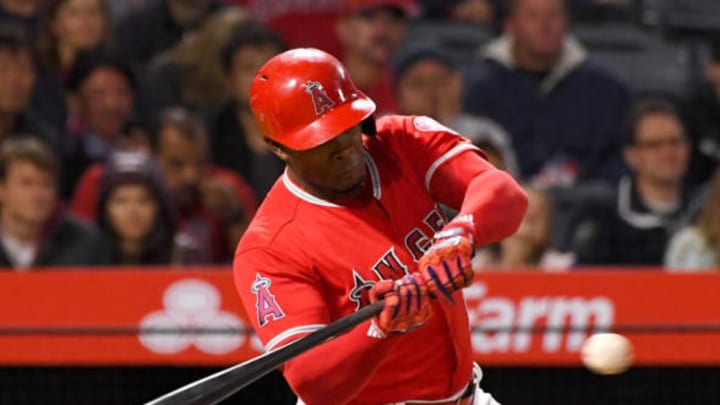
[(321, 100), (265, 303)]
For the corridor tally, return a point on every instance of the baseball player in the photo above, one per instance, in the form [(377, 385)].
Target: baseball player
[(355, 218)]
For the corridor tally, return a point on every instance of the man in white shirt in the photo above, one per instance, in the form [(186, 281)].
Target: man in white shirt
[(34, 229)]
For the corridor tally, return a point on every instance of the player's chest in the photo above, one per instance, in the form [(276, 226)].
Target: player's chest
[(372, 244)]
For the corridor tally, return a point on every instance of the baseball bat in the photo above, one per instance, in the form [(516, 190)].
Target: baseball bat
[(217, 387)]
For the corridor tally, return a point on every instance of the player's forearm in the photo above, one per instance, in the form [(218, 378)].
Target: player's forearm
[(497, 204), (337, 371), (471, 185)]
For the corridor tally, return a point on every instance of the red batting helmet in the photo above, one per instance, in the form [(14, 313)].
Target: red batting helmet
[(304, 97)]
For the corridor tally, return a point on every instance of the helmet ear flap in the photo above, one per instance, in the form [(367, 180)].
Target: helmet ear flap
[(368, 126)]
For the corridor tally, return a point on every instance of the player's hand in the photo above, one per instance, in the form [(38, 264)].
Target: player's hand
[(407, 305), (447, 266)]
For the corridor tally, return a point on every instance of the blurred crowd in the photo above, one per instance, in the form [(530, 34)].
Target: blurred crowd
[(126, 136)]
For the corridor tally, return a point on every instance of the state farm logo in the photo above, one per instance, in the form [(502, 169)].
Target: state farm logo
[(582, 315), (192, 304)]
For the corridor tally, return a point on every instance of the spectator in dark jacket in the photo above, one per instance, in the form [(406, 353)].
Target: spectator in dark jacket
[(17, 79), (564, 114), (34, 229), (634, 228), (145, 33)]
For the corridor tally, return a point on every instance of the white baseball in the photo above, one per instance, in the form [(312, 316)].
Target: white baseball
[(607, 353)]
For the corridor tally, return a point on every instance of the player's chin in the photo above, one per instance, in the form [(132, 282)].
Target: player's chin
[(348, 184)]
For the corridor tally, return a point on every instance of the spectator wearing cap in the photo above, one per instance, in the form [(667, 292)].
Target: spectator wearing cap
[(134, 210), (212, 205), (429, 83), (102, 96), (145, 33), (633, 227), (236, 142), (564, 114), (68, 27), (371, 32), (702, 113), (34, 229), (17, 80)]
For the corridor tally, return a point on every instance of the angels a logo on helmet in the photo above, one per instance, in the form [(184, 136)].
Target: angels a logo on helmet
[(265, 303), (321, 101)]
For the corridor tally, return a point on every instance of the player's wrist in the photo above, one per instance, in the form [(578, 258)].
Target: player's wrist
[(460, 226)]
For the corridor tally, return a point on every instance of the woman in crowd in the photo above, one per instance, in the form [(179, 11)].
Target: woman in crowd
[(68, 27), (697, 247), (134, 211)]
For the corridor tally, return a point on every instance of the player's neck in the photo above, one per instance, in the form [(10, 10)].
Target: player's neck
[(352, 196)]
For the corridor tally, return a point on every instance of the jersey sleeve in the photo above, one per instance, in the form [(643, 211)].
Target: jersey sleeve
[(424, 144), (282, 297)]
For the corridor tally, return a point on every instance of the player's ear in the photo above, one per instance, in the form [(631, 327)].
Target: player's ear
[(277, 149)]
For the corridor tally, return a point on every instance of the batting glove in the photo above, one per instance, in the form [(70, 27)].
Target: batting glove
[(407, 305), (447, 265)]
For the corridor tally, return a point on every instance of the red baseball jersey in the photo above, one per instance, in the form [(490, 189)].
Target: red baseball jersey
[(305, 262)]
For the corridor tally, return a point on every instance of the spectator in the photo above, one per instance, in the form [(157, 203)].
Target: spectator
[(211, 204), (17, 79), (429, 83), (289, 19), (236, 142), (102, 96), (34, 229), (370, 33), (697, 247), (69, 26), (134, 210), (702, 112), (190, 74), (196, 187), (23, 12), (535, 81), (530, 246), (650, 205), (143, 34)]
